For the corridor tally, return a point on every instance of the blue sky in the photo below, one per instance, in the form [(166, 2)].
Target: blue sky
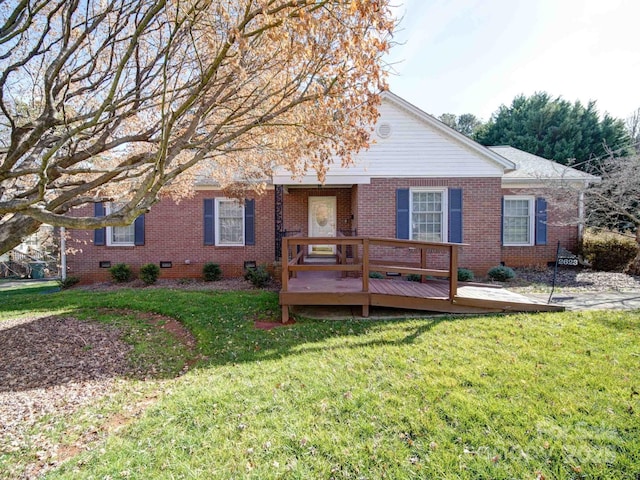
[(462, 56)]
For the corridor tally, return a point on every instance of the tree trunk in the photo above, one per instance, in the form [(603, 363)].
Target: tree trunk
[(15, 229)]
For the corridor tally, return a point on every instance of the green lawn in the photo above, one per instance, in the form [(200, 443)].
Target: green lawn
[(522, 396), (33, 285)]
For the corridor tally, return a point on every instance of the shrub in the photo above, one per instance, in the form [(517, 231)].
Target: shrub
[(149, 273), (414, 277), (376, 275), (501, 273), (609, 251), (211, 272), (258, 276), (68, 282), (121, 272), (465, 275)]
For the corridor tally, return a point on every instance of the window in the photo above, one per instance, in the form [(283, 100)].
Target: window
[(428, 219), (229, 222), (119, 236), (518, 221)]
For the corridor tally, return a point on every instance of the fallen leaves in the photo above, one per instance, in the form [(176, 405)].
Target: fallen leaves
[(52, 367)]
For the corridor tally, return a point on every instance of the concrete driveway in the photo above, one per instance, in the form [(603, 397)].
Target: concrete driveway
[(593, 300)]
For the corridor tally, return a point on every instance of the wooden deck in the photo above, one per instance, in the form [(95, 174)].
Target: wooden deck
[(344, 279)]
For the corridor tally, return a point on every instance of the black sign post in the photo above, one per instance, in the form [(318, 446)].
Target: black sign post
[(564, 258)]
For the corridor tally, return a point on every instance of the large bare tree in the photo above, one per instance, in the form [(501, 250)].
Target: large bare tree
[(129, 99), (633, 127), (614, 203)]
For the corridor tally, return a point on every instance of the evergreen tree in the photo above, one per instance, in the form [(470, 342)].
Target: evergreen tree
[(555, 129)]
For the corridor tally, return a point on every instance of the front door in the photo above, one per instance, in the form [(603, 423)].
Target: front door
[(322, 223)]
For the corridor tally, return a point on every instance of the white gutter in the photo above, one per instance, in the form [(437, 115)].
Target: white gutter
[(63, 254)]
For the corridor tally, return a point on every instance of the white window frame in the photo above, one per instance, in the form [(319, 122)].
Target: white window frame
[(532, 220), (218, 242), (445, 210), (108, 207)]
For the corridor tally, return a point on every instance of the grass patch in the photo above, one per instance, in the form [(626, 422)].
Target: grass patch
[(519, 396), (27, 286)]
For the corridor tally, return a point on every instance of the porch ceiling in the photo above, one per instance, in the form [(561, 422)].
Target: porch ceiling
[(318, 186)]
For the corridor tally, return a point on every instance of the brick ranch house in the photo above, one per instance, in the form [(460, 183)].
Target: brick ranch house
[(419, 180)]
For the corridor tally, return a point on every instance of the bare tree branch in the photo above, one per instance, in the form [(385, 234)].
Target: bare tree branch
[(126, 99)]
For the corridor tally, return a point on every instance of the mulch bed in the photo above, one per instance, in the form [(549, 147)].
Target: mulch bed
[(183, 284), (574, 280), (53, 366)]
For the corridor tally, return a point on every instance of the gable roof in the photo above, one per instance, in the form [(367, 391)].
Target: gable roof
[(503, 162), (532, 168), (409, 143)]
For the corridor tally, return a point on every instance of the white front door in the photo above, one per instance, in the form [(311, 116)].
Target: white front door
[(322, 223)]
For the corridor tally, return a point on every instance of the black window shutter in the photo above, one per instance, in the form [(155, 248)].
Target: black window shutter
[(402, 213), (100, 234), (138, 230), (541, 221), (209, 221), (455, 215), (502, 221), (249, 222)]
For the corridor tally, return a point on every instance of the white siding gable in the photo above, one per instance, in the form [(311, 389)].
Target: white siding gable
[(415, 147)]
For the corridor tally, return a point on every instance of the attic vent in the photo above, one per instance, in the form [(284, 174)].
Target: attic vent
[(384, 130)]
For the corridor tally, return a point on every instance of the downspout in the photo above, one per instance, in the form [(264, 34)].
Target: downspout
[(63, 254)]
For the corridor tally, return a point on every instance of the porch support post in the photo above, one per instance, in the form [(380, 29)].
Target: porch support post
[(285, 264), (285, 277), (365, 275), (453, 272), (279, 220), (365, 265)]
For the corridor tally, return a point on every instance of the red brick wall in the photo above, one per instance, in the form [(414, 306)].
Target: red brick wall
[(561, 225), (175, 232), (296, 207), (481, 216)]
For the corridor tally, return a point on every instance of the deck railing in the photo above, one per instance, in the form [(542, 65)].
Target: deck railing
[(294, 255)]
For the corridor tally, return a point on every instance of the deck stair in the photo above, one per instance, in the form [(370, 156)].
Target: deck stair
[(320, 259)]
